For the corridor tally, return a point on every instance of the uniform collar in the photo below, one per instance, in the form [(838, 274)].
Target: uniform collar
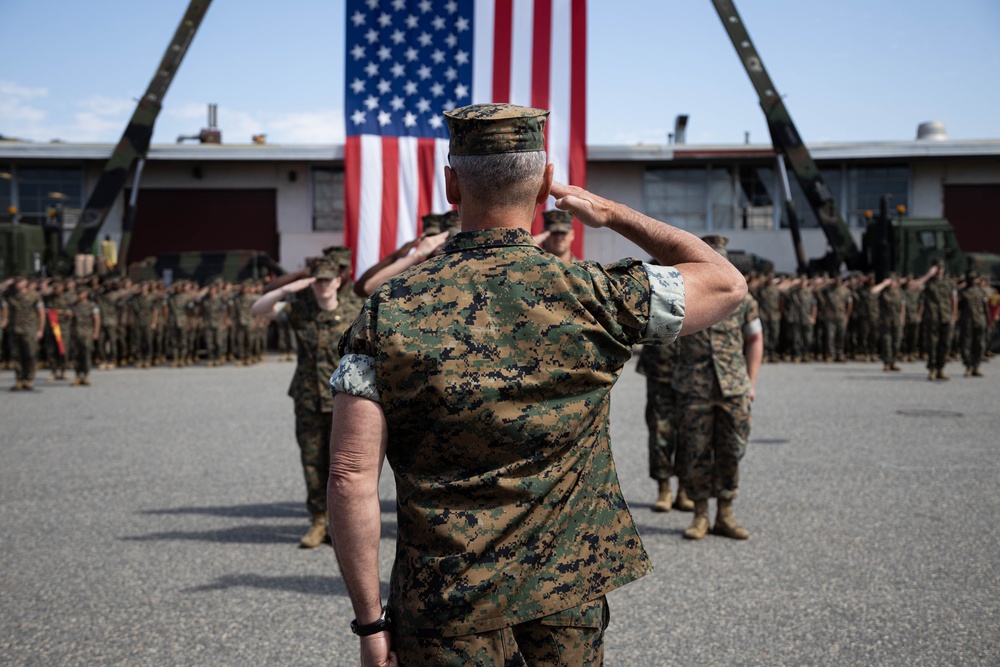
[(489, 238)]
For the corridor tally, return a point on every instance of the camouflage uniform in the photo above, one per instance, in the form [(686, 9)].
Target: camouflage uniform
[(937, 320), (835, 305), (179, 326), (24, 308), (972, 323), (143, 304), (213, 312), (657, 363), (769, 301), (82, 328), (911, 330), (714, 389), (494, 363), (867, 304), (890, 323), (799, 303), (60, 305), (107, 347), (317, 333), (243, 320)]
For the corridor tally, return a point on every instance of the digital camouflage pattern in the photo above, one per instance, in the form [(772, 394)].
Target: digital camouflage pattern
[(488, 129), (890, 323), (571, 637), (312, 433), (494, 364), (713, 389), (317, 334), (558, 221), (24, 308), (83, 335), (972, 324), (658, 363), (436, 223), (938, 296), (834, 303)]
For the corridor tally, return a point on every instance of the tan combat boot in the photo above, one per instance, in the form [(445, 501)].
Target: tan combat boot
[(683, 503), (725, 524), (85, 380), (77, 381), (317, 532), (664, 499), (941, 375), (18, 386), (699, 524)]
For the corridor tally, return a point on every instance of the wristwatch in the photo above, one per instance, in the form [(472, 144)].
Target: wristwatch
[(384, 622)]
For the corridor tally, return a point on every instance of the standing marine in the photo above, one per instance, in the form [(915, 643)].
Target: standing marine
[(23, 315)]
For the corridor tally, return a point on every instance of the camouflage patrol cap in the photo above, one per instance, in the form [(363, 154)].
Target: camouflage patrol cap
[(717, 242), (432, 224), (489, 129), (436, 223), (338, 254), (323, 267), (558, 221), (450, 221)]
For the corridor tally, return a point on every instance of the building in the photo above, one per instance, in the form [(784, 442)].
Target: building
[(287, 201)]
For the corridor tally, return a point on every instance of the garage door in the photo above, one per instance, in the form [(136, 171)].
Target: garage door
[(974, 212)]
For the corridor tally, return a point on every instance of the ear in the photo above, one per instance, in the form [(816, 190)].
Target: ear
[(546, 186), (451, 186)]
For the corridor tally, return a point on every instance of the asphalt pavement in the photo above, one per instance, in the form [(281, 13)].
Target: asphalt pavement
[(153, 519)]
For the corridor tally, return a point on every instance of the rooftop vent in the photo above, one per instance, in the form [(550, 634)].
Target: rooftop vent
[(932, 130)]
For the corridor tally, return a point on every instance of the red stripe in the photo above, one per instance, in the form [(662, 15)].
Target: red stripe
[(352, 194), (541, 66), (503, 27), (390, 196), (578, 110), (425, 180)]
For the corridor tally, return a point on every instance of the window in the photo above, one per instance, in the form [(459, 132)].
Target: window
[(677, 197), (866, 185), (6, 200), (44, 189), (328, 199), (755, 201)]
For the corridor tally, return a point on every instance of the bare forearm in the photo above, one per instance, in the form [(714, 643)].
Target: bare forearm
[(753, 350), (286, 279), (369, 283)]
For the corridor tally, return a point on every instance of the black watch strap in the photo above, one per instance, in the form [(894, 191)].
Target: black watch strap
[(384, 622)]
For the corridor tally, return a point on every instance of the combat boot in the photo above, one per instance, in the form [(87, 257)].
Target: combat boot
[(18, 386), (968, 371), (725, 524), (941, 375), (682, 502), (317, 532), (85, 380), (29, 385), (663, 500), (77, 381), (976, 373), (699, 524), (894, 367)]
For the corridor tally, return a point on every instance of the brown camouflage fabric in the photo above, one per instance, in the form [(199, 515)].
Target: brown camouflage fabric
[(494, 363), (937, 322), (83, 335), (768, 298), (312, 433), (558, 221), (972, 324), (658, 364), (488, 129), (713, 388), (24, 307), (833, 305), (317, 334), (890, 323)]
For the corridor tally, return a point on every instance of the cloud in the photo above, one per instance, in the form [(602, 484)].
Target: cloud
[(311, 127), (18, 117), (238, 126)]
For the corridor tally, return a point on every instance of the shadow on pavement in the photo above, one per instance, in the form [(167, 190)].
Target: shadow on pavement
[(249, 534), (259, 511), (309, 585)]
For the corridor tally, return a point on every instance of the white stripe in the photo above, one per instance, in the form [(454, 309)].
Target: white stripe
[(370, 222), (521, 45), (409, 191), (439, 200), (482, 51), (558, 125)]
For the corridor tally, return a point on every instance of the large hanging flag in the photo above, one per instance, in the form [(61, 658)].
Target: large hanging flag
[(410, 60)]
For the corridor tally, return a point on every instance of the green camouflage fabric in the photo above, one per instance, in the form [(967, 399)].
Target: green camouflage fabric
[(972, 323), (340, 255), (713, 392), (890, 323), (312, 433), (574, 637), (488, 129), (558, 221), (213, 311), (436, 223), (937, 323), (768, 298), (83, 335), (431, 224), (494, 364), (23, 308), (317, 334), (658, 363), (323, 267), (833, 304)]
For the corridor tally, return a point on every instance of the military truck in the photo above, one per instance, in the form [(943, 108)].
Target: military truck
[(890, 243)]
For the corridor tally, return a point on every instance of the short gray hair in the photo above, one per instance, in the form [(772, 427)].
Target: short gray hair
[(501, 179)]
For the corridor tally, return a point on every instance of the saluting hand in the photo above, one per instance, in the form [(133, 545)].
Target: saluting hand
[(585, 206)]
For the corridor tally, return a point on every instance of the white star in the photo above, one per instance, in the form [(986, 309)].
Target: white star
[(384, 20), (398, 37), (451, 6), (424, 105), (438, 23), (412, 22), (451, 74), (409, 120), (358, 86), (461, 24), (384, 118), (399, 5), (358, 19), (424, 72), (425, 6), (397, 70), (371, 69), (436, 122), (384, 87), (358, 117), (451, 41), (425, 39), (371, 35), (372, 4), (371, 103), (397, 103), (410, 88), (437, 90), (461, 90), (358, 52), (462, 57), (449, 106), (384, 52), (438, 56), (412, 54)]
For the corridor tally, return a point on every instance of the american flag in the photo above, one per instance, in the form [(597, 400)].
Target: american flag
[(410, 60)]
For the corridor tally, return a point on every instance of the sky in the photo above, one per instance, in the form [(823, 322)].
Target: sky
[(849, 70)]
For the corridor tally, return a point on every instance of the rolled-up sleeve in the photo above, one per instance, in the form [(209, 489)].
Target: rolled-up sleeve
[(355, 376), (666, 304)]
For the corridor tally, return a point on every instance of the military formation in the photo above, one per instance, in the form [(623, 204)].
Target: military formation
[(112, 322), (935, 318)]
